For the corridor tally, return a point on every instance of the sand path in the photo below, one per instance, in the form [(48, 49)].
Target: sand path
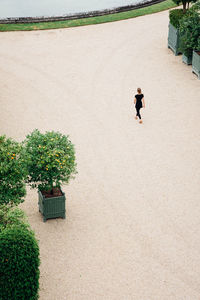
[(133, 213)]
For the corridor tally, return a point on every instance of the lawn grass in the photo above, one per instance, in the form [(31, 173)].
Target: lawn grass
[(92, 20)]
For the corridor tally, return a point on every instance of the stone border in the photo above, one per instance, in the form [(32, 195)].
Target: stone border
[(79, 15)]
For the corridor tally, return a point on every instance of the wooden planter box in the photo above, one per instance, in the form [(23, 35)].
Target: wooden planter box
[(51, 208), (174, 39), (187, 59), (196, 63)]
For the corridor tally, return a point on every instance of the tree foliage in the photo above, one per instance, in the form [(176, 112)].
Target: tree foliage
[(50, 159), (185, 3), (175, 16), (12, 172), (190, 32)]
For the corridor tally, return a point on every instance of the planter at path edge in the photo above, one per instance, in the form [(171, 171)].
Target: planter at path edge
[(174, 39), (51, 207), (187, 59), (196, 63)]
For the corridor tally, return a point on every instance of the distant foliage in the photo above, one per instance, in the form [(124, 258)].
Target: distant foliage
[(50, 159), (19, 264), (12, 172), (185, 3)]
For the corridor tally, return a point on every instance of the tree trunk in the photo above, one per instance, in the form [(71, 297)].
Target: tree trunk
[(184, 6)]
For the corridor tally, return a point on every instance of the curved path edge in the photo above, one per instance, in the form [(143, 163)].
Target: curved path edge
[(79, 15)]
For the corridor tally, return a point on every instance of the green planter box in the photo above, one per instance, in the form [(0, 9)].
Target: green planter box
[(174, 39), (51, 208), (187, 59), (196, 63)]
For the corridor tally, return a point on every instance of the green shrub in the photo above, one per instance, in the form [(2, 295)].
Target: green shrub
[(175, 16), (50, 160), (12, 217), (19, 264), (190, 32), (12, 172)]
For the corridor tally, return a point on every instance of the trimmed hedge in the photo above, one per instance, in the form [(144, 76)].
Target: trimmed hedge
[(19, 264), (175, 16)]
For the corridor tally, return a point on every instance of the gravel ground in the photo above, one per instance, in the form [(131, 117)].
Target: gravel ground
[(133, 212)]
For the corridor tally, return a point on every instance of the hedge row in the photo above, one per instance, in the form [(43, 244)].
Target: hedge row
[(19, 257)]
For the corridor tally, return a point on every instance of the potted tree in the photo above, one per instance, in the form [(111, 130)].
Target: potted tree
[(50, 161), (174, 33), (12, 172), (174, 36), (190, 33)]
